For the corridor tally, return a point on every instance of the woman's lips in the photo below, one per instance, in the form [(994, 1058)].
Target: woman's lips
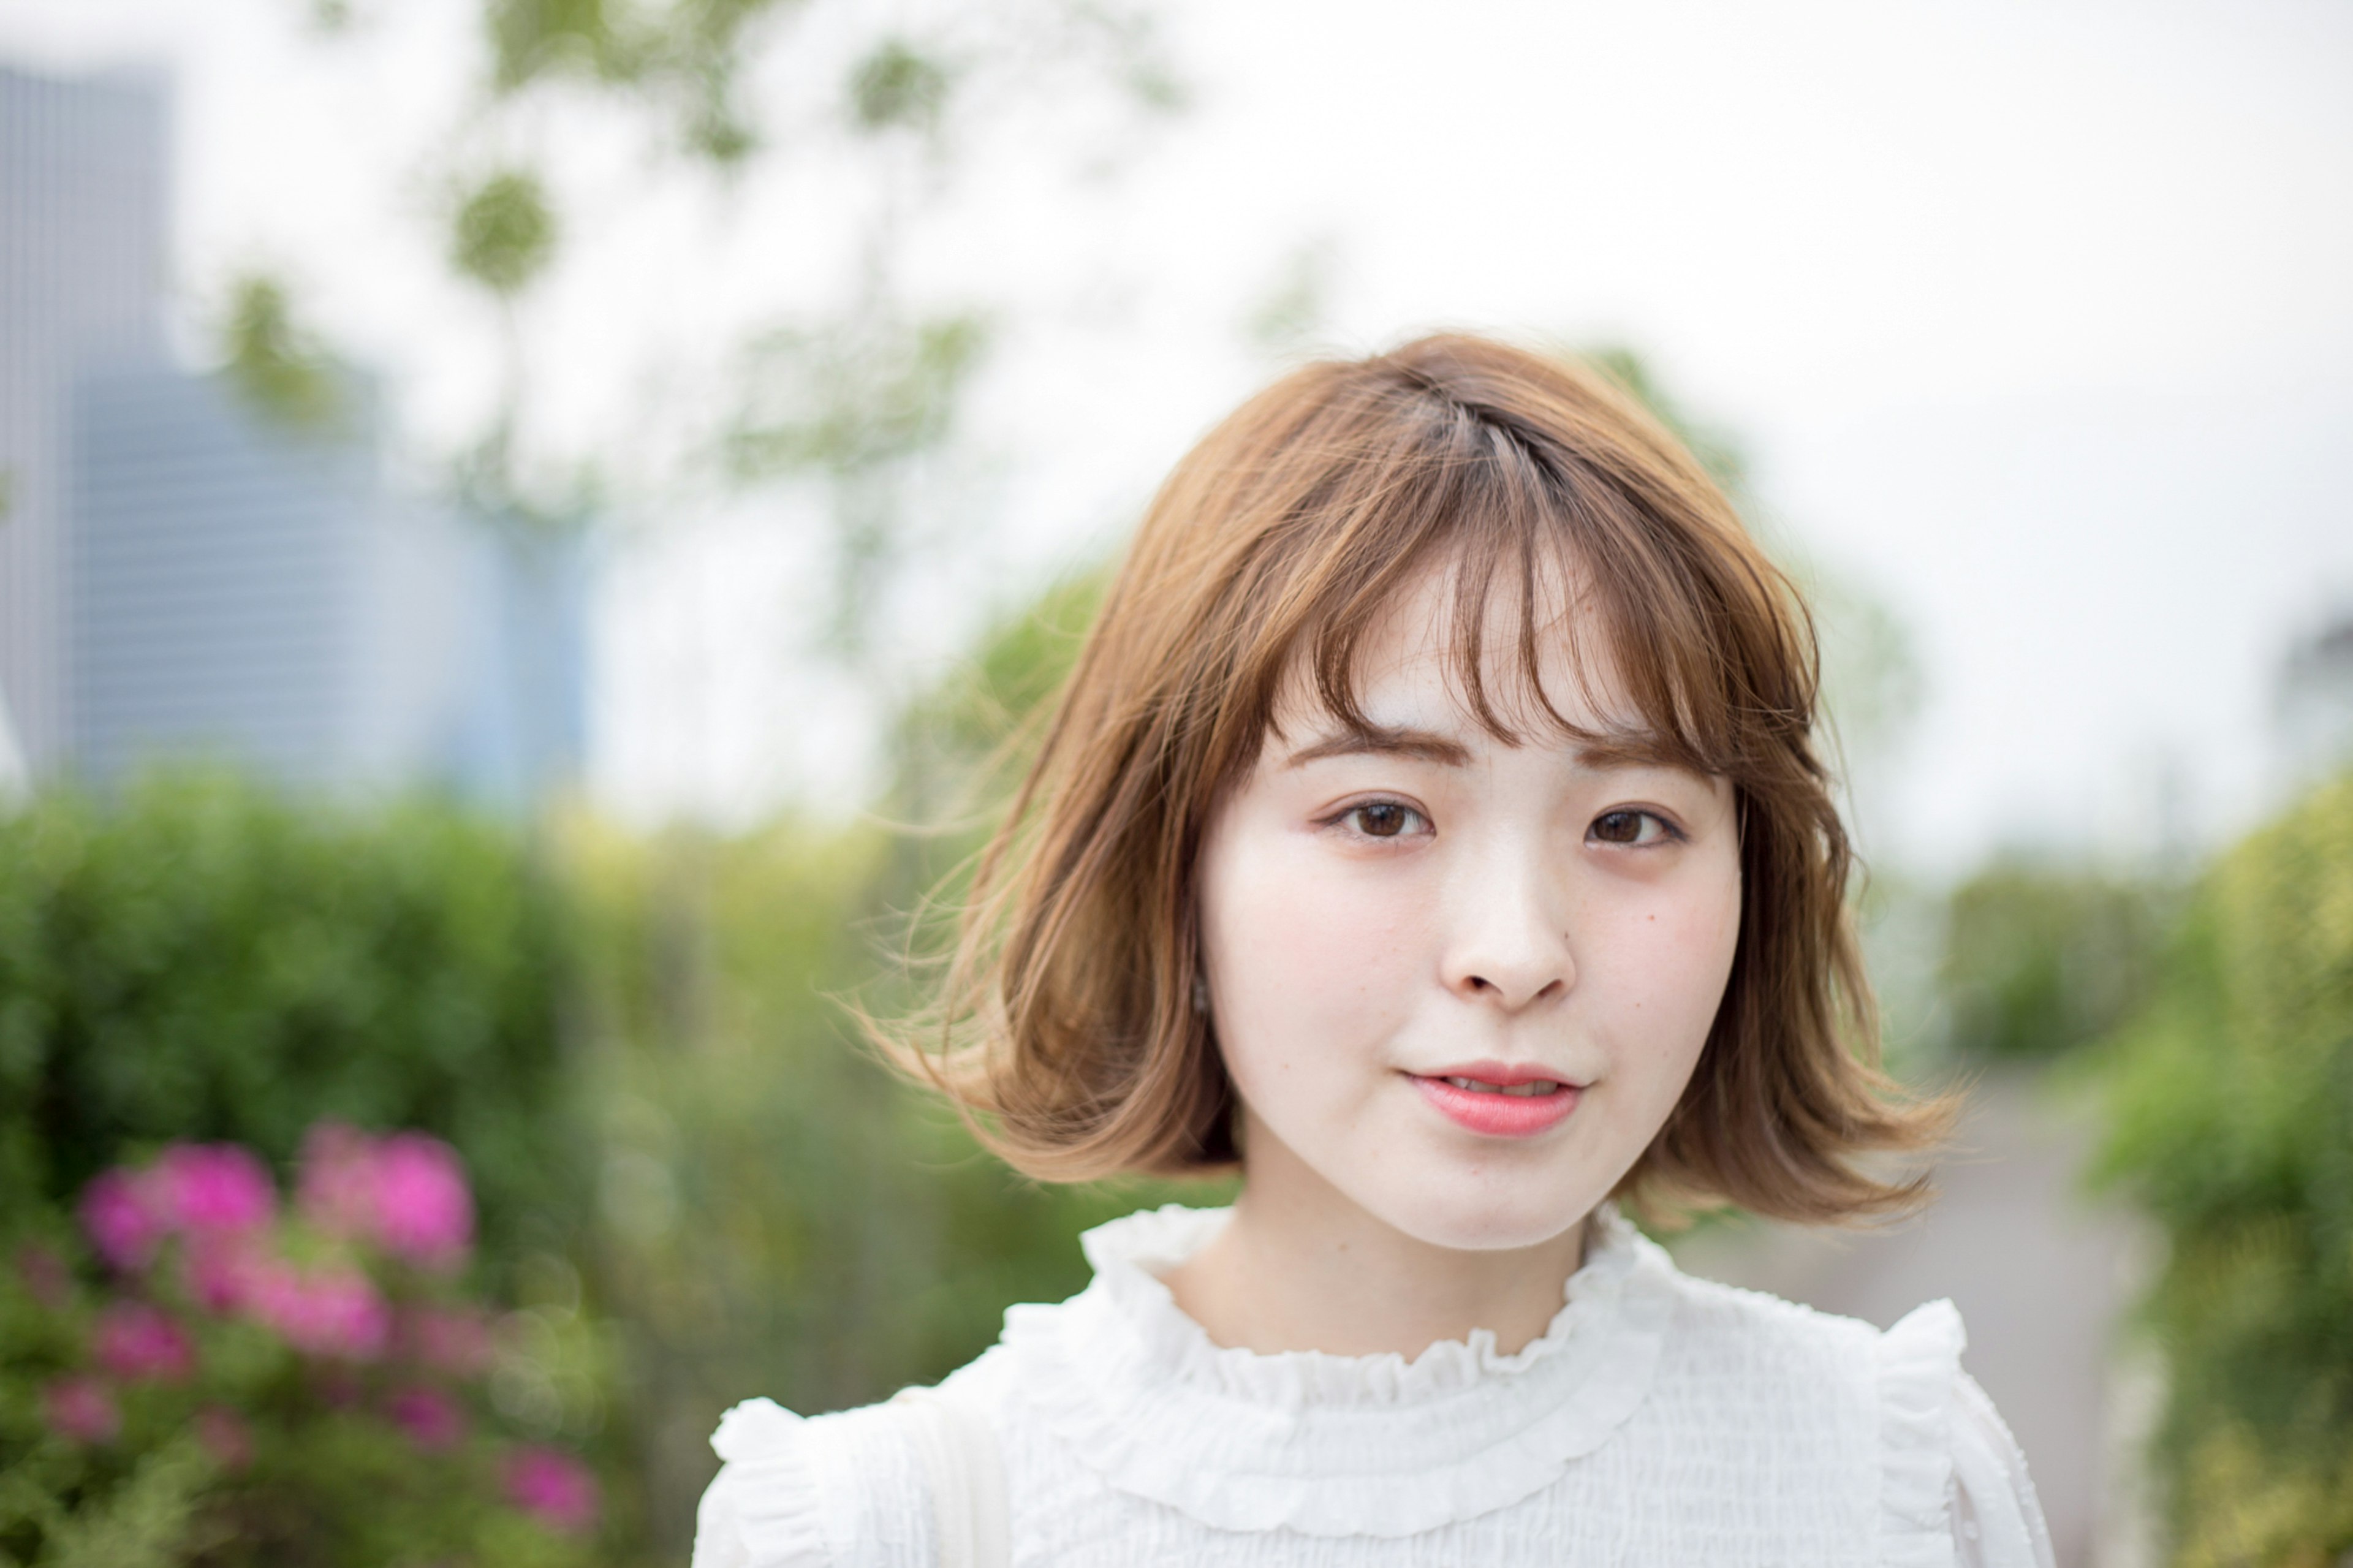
[(1539, 1103)]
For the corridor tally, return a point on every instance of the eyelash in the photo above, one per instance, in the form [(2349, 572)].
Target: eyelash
[(1668, 831), (1349, 813)]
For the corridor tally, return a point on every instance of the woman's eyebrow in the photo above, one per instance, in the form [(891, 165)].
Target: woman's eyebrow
[(1631, 748), (1383, 741)]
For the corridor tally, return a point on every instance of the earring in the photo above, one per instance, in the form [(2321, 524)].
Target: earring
[(1200, 993)]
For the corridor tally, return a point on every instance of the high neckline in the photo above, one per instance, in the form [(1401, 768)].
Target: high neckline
[(1330, 1445)]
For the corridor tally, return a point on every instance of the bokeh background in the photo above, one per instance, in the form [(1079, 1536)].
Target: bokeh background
[(511, 510)]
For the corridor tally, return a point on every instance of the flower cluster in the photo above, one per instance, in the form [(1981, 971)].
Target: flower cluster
[(352, 1287)]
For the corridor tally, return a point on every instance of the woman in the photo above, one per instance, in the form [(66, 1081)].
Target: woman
[(1433, 830)]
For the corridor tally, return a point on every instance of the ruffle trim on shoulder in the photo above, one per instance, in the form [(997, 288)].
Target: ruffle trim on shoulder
[(766, 1494), (1919, 1366), (1325, 1445)]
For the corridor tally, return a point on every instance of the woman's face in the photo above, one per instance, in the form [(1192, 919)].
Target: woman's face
[(1461, 981)]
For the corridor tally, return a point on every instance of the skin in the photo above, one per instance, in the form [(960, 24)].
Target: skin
[(1379, 906)]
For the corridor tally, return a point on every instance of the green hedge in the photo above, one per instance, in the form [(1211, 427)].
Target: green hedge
[(205, 959), (2040, 958), (2231, 1105)]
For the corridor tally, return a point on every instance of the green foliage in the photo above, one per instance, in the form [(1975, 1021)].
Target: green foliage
[(896, 87), (645, 1048), (248, 1450), (202, 959), (273, 363), (2231, 1119), (146, 1520), (505, 233), (847, 1236), (2040, 959), (531, 40), (781, 1215), (854, 402), (686, 56), (671, 75), (963, 738), (850, 397)]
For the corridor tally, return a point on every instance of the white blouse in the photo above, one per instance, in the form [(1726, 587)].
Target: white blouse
[(1659, 1420)]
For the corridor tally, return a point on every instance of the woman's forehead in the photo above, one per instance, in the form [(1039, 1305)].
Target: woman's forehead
[(1430, 661)]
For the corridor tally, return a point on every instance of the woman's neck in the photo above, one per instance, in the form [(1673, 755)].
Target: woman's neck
[(1303, 1267)]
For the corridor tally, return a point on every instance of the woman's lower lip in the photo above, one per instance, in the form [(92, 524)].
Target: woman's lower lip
[(1498, 1115)]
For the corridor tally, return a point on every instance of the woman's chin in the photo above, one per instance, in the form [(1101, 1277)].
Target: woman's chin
[(1481, 1221)]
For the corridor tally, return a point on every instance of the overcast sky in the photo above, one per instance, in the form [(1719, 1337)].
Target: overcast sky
[(2037, 320)]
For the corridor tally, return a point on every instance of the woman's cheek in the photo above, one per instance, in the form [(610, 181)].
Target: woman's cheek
[(1315, 962), (1688, 953)]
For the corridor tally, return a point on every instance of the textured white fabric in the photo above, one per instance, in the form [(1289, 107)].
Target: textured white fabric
[(965, 1474), (1660, 1420)]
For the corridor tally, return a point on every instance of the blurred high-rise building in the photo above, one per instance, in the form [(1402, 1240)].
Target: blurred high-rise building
[(84, 216), (194, 576)]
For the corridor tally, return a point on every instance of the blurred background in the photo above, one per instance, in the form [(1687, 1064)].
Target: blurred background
[(508, 509)]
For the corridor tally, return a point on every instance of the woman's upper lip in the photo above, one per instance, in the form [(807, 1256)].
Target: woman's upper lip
[(1502, 1075)]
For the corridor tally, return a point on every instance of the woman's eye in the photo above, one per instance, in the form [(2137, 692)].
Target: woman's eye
[(1629, 826), (1382, 819)]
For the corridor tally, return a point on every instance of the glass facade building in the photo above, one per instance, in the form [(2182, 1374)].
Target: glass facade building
[(184, 575)]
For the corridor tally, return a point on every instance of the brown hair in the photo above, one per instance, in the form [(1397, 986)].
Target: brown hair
[(1066, 1021)]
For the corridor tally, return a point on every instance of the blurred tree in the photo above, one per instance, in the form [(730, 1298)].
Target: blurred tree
[(505, 232), (780, 1214), (2230, 1111), (853, 401), (277, 366), (2039, 959), (848, 388)]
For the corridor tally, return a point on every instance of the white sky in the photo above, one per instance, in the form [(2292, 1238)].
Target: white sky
[(2036, 318)]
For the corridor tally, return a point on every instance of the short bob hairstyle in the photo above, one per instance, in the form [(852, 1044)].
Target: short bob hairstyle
[(1066, 1027)]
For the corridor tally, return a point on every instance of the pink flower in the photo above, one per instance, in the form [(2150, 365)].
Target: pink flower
[(122, 1218), (215, 1187), (225, 1437), (202, 1189), (336, 1312), (47, 1279), (337, 1190), (423, 1210), (456, 1340), (553, 1487), (80, 1410), (134, 1341), (405, 1193), (221, 1272), (431, 1418)]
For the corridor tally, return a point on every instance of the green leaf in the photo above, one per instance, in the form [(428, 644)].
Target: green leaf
[(276, 366), (505, 233), (896, 87)]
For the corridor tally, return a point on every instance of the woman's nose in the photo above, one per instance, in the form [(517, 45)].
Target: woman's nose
[(1508, 941)]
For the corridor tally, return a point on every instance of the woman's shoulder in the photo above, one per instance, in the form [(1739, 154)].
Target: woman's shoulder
[(847, 1489), (1724, 1332), (1951, 1477)]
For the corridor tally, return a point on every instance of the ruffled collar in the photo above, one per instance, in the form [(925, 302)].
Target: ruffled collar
[(1329, 1445)]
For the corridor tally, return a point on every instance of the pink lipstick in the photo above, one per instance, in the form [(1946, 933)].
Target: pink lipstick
[(1498, 1099)]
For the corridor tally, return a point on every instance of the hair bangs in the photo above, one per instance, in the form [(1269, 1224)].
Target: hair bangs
[(1535, 563)]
